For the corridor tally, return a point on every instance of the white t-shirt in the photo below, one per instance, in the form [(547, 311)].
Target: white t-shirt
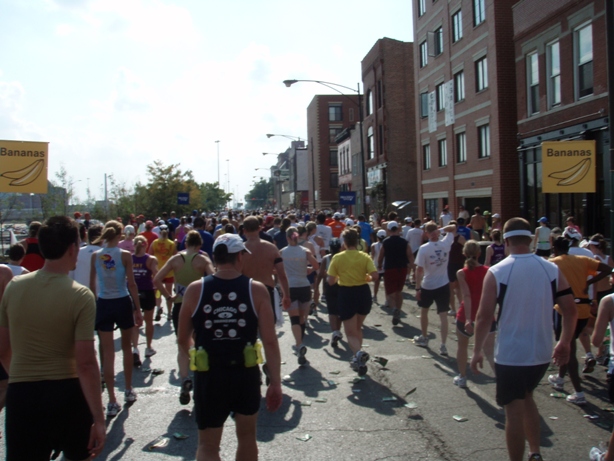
[(577, 251), (376, 248), (415, 237), (325, 233), (16, 270), (433, 258), (445, 219), (81, 274)]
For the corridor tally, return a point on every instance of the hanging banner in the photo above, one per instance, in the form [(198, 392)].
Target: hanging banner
[(569, 167), (23, 166)]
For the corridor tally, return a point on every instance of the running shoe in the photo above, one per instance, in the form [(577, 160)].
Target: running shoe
[(136, 359), (334, 342), (129, 396), (149, 352), (300, 352), (374, 300), (396, 316), (452, 313), (589, 363), (421, 341), (556, 381), (312, 308), (535, 457), (460, 381), (362, 358), (113, 409), (184, 395), (596, 454), (443, 350), (577, 398), (158, 315)]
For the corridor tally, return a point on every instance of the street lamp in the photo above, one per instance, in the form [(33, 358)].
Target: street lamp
[(334, 86), (269, 135)]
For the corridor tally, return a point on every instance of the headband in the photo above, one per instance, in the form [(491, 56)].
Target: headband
[(593, 242), (517, 233)]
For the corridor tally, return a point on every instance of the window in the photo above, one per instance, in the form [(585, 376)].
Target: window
[(370, 145), (380, 94), (438, 41), (443, 152), (335, 113), (380, 139), (333, 131), (334, 180), (479, 12), (459, 86), (457, 26), (533, 83), (426, 157), (554, 74), (484, 141), (369, 102), (461, 148), (440, 96), (424, 54), (351, 114), (355, 160), (481, 74), (421, 7), (424, 104), (584, 61), (334, 159)]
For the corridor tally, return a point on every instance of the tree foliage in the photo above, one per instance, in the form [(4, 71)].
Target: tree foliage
[(260, 195)]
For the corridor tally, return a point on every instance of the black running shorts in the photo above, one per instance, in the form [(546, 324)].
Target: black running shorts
[(515, 382), (147, 298), (441, 297), (111, 312), (354, 300)]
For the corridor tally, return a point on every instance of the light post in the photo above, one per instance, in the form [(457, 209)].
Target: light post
[(332, 86)]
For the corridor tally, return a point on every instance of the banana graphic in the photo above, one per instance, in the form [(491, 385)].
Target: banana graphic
[(572, 175), (26, 175)]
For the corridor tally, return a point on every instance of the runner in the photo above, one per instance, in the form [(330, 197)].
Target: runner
[(331, 293), (415, 237), (456, 261), (33, 259), (145, 268), (352, 270), (225, 313), (323, 231), (16, 254), (111, 272), (541, 241), (366, 231), (336, 226), (303, 240), (5, 277), (496, 251), (128, 242), (478, 222), (375, 250), (163, 249), (296, 261), (181, 231), (82, 271), (148, 233), (188, 265), (526, 287)]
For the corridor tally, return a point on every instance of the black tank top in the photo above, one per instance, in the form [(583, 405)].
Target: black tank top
[(225, 320), (456, 257)]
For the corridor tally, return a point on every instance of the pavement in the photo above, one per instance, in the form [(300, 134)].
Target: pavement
[(326, 415)]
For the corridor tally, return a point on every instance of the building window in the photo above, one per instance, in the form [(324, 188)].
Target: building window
[(533, 83), (369, 102), (457, 26), (443, 152), (438, 41), (334, 180), (430, 207), (554, 74), (484, 141), (380, 94), (334, 159), (424, 104), (461, 148), (481, 74), (370, 145), (421, 7), (380, 139), (426, 157), (441, 96), (424, 54), (335, 113), (459, 86), (479, 12), (584, 61), (333, 131)]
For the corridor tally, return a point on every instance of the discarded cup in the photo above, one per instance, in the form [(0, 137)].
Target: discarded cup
[(321, 400), (553, 418), (411, 405), (331, 382), (306, 403), (160, 442), (305, 438), (381, 360), (558, 395), (287, 379), (591, 417), (460, 419)]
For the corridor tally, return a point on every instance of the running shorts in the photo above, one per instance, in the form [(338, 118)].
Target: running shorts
[(354, 300), (394, 281), (111, 312), (514, 382), (441, 297)]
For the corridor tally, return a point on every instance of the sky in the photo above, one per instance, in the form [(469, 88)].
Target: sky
[(114, 85)]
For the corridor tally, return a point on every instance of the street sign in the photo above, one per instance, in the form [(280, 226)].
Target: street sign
[(183, 198), (347, 198), (569, 167), (23, 167)]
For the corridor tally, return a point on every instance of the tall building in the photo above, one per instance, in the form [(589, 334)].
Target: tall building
[(389, 125), (350, 167), (466, 129), (562, 88), (327, 116)]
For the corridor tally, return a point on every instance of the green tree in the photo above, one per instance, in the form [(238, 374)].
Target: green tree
[(212, 197), (260, 194)]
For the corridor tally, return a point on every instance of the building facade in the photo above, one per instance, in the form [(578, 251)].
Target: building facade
[(350, 166), (465, 86), (327, 116), (389, 125), (562, 88)]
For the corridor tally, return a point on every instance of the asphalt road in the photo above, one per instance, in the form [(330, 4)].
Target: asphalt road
[(367, 420)]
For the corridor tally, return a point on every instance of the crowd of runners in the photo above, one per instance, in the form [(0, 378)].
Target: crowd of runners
[(224, 281)]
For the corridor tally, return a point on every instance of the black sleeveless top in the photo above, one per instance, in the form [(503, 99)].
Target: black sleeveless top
[(225, 320)]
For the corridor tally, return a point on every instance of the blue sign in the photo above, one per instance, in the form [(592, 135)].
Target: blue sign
[(183, 198), (347, 198)]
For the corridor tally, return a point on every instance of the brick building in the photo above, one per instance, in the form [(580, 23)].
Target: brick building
[(327, 116), (466, 86), (389, 125), (562, 95), (350, 168)]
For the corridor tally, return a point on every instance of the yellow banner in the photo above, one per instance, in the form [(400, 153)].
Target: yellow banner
[(23, 166), (569, 167)]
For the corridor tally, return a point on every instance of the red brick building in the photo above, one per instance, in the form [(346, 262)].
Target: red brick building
[(466, 88), (327, 116), (389, 125), (562, 92)]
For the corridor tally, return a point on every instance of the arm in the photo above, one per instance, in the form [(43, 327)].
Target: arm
[(93, 274), (150, 249), (380, 258), (535, 239), (604, 271), (418, 275), (89, 378), (569, 313), (489, 252), (132, 288), (374, 276), (205, 264), (606, 310), (282, 278), (188, 306), (483, 321), (161, 275), (152, 265), (464, 287), (410, 256), (313, 262)]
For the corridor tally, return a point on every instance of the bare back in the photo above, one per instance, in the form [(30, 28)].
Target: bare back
[(260, 264)]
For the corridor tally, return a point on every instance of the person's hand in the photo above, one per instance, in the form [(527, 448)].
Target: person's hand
[(477, 360), (98, 433), (560, 356), (138, 317), (274, 397), (469, 327), (418, 295), (286, 302), (594, 308)]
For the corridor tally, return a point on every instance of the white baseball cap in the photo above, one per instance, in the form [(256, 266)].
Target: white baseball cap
[(233, 242), (393, 225), (381, 233)]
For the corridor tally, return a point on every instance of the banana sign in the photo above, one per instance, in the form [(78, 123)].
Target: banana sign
[(568, 167), (23, 166)]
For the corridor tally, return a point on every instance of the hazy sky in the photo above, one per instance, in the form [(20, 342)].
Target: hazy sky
[(115, 84)]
